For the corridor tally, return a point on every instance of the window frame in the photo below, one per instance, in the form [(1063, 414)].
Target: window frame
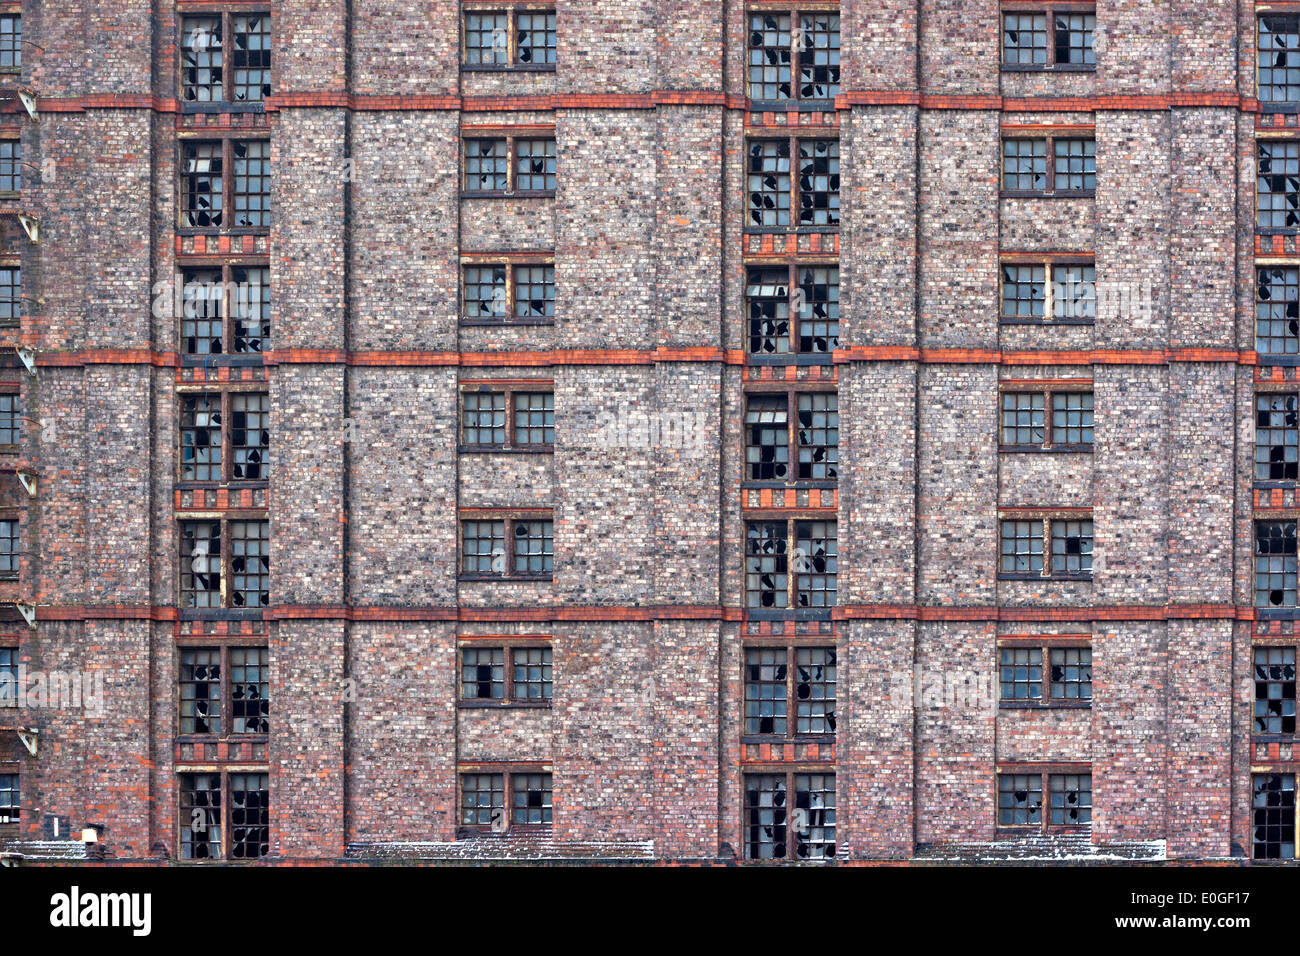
[(14, 391), (226, 609), (792, 429), (20, 552), (225, 773), (507, 644), (1265, 138), (1283, 283), (1271, 106), (227, 269), (14, 263), (226, 397), (510, 388), (227, 686), (796, 193), (1269, 392), (1050, 264), (15, 13), (791, 650), (791, 774), (227, 139), (795, 11), (508, 770), (792, 607), (10, 691), (1051, 11), (512, 135), (512, 264), (794, 354), (1045, 644), (511, 517), (1282, 773), (1267, 647), (512, 9), (12, 815), (1048, 518), (1271, 611), (1049, 390), (1045, 771), (1086, 134), (227, 15)]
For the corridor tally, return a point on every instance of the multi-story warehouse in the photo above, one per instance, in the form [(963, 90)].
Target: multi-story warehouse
[(648, 430)]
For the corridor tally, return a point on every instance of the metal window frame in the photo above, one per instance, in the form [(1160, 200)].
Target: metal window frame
[(1048, 517), (511, 517), (223, 647), (1044, 770), (1270, 106), (227, 139), (792, 268), (1050, 263), (225, 519), (511, 262), (227, 807), (511, 9), (225, 395), (790, 773), (795, 11), (791, 735), (508, 770), (755, 135), (227, 13), (510, 388), (1050, 137), (508, 645), (512, 135), (1051, 11), (792, 592), (792, 395), (1048, 389), (227, 267), (1046, 643)]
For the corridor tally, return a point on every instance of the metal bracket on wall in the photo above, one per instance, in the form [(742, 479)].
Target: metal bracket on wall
[(32, 226), (28, 611), (30, 737), (28, 99), (28, 357), (28, 479)]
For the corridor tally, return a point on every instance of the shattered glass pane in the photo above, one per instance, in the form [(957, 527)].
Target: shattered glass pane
[(766, 574), (765, 691), (1024, 165), (765, 816), (483, 673), (201, 437), (1277, 311), (767, 446), (201, 59), (1278, 59), (768, 182), (769, 56), (250, 57), (1273, 816), (1277, 185), (1275, 564), (250, 703), (767, 294), (200, 691), (1020, 799), (1275, 690), (1070, 797), (819, 436)]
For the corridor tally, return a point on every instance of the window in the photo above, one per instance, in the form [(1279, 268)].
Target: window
[(774, 192), (1020, 799), (11, 158), (529, 296), (483, 799), (225, 690), (1023, 679), (211, 452), (510, 165), (1047, 39), (516, 545), (485, 676), (813, 430), (508, 418), (1277, 191), (1024, 420), (1070, 298), (11, 43), (1275, 564), (11, 306), (1276, 437), (225, 563), (1279, 60), (789, 64), (1275, 690), (1273, 816), (209, 295), (809, 293), (1277, 311), (211, 43), (1073, 166), (10, 432), (782, 680), (9, 551), (768, 562), (247, 817), (212, 170), (519, 38), (10, 798), (773, 833), (8, 677), (1023, 540)]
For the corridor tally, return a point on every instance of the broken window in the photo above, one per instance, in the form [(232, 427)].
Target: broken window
[(210, 451), (1023, 679), (1279, 59), (482, 799), (778, 54), (250, 815), (529, 296), (1273, 816), (209, 295), (485, 676), (773, 192), (8, 677), (11, 43), (770, 433), (1275, 690), (1020, 799), (818, 434), (210, 42), (1277, 193), (200, 564), (201, 694), (811, 294), (11, 305), (1022, 547), (250, 563), (1070, 297), (775, 831), (212, 170), (483, 418), (217, 681), (200, 816), (250, 683), (767, 444), (1071, 548), (777, 676), (9, 420), (1069, 799), (1071, 673), (1021, 673), (9, 553), (10, 798), (815, 563), (483, 673), (517, 37), (1024, 419), (1275, 564), (510, 165), (203, 564), (11, 157), (1277, 311), (529, 538), (531, 799), (1276, 437), (486, 410), (767, 582), (1025, 40), (1025, 170)]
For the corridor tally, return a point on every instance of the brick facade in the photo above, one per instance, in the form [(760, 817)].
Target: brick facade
[(648, 352)]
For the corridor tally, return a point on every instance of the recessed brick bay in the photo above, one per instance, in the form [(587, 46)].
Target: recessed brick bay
[(643, 432)]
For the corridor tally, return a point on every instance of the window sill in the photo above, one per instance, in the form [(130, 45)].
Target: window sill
[(218, 359), (1049, 68), (791, 358), (182, 485), (507, 67), (1276, 232), (504, 704), (496, 323), (832, 229), (221, 613), (218, 233), (791, 105), (790, 614), (778, 739), (504, 578), (798, 485), (1012, 576), (1260, 483), (1046, 322), (505, 449), (1048, 194), (1277, 613), (221, 738), (1274, 738), (223, 106), (1265, 106), (1007, 832), (1049, 450), (1045, 704), (502, 194)]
